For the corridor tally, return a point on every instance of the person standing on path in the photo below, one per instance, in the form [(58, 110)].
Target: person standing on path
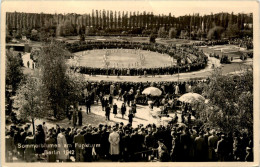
[(115, 110), (123, 110), (80, 116), (130, 118), (108, 112), (75, 117), (110, 100), (133, 108), (88, 104)]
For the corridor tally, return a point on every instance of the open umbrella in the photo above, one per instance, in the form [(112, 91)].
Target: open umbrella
[(192, 98), (153, 91)]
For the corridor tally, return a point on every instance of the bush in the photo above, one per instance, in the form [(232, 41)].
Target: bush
[(152, 38), (162, 33), (172, 33)]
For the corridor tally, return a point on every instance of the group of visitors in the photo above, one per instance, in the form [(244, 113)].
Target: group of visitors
[(120, 142), (132, 91), (171, 70)]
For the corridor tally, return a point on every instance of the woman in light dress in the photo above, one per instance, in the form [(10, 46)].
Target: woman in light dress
[(63, 155)]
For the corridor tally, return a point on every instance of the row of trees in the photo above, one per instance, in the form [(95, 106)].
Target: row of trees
[(107, 22)]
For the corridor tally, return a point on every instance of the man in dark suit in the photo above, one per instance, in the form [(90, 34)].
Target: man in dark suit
[(222, 148), (104, 142), (96, 136), (108, 112), (134, 145), (125, 146), (200, 148), (88, 149), (185, 142), (130, 118), (212, 145), (80, 116), (149, 142), (88, 104), (79, 141)]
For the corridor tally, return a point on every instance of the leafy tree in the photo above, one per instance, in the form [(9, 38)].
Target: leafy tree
[(232, 31), (59, 31), (172, 33), (162, 33), (199, 33), (230, 106), (184, 34), (52, 73), (13, 69), (63, 86), (152, 38), (75, 85), (89, 31), (31, 100), (34, 55), (82, 37)]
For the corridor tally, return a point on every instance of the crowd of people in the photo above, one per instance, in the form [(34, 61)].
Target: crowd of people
[(197, 61), (132, 91), (141, 71), (80, 142), (124, 143), (174, 142)]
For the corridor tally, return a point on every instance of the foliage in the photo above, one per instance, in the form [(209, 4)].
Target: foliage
[(162, 33), (184, 34), (34, 55), (89, 31), (31, 100), (172, 33), (63, 86), (13, 71), (199, 88), (230, 106), (114, 22), (75, 86), (53, 68), (232, 31), (82, 37), (152, 38)]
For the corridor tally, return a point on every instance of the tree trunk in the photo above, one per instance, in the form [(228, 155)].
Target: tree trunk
[(33, 126), (55, 111)]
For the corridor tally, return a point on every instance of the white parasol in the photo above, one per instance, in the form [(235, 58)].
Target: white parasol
[(153, 91), (192, 98)]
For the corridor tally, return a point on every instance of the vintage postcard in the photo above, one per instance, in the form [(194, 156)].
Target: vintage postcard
[(123, 83)]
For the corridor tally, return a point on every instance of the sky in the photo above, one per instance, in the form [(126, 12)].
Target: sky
[(176, 8)]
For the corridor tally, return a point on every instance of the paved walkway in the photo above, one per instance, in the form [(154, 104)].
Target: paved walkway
[(26, 58), (143, 116)]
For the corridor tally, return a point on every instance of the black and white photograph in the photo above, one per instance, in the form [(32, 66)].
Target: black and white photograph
[(121, 82)]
